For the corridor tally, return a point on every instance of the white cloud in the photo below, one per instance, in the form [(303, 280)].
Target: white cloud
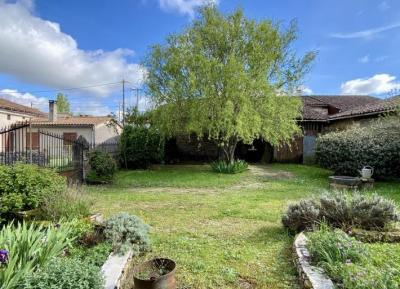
[(305, 90), (383, 6), (92, 107), (364, 59), (377, 84), (37, 51), (186, 7), (27, 99), (369, 33)]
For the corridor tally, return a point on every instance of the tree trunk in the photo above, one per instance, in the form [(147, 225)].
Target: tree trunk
[(229, 150)]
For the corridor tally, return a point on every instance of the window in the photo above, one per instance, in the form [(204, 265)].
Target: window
[(8, 116), (69, 137)]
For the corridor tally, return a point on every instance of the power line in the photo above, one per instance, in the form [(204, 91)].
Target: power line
[(63, 89)]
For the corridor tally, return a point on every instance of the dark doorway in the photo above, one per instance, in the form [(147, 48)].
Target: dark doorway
[(253, 153)]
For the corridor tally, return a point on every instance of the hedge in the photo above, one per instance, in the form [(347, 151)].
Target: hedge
[(378, 145)]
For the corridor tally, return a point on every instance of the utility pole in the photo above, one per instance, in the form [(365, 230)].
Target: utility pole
[(123, 102)]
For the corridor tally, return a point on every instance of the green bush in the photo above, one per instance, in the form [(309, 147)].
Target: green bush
[(69, 204), (301, 216), (102, 167), (140, 147), (346, 152), (24, 187), (29, 247), (342, 210), (221, 166), (65, 273), (127, 232), (369, 212)]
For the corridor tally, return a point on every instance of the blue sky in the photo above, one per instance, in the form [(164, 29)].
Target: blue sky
[(46, 45)]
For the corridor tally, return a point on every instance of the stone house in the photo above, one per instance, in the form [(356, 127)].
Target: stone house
[(321, 114), (11, 112)]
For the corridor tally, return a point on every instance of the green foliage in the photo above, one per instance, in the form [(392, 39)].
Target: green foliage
[(96, 255), (228, 78), (348, 151), (342, 210), (69, 204), (224, 167), (127, 232), (30, 247), (332, 246), (348, 262), (24, 187), (102, 167), (63, 103), (65, 273), (358, 210), (300, 216), (140, 147)]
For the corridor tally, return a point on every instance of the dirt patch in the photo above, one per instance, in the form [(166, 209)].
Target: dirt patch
[(245, 283), (263, 172)]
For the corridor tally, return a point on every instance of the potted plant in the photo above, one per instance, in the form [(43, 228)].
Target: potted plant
[(158, 273)]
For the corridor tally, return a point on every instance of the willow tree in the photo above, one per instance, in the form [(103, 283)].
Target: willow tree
[(228, 78)]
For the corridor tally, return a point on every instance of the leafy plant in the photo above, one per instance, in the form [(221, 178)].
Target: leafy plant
[(348, 151), (102, 167), (65, 273), (357, 210), (69, 204), (224, 167), (127, 232), (342, 210), (331, 246), (140, 146), (29, 247), (302, 215), (96, 255), (24, 187)]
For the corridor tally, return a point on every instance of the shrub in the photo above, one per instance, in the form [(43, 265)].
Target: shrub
[(67, 205), (359, 210), (346, 152), (342, 210), (24, 187), (224, 167), (127, 232), (301, 216), (29, 247), (65, 273), (102, 167), (140, 147)]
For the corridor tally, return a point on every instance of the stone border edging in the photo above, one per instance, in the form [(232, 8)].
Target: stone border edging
[(113, 269), (375, 236), (311, 277)]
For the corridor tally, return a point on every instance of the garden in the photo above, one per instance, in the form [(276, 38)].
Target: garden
[(221, 224)]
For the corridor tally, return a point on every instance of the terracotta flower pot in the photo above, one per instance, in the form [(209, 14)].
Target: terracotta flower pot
[(157, 273)]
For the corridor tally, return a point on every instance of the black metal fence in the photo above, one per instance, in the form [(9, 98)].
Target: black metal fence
[(20, 143)]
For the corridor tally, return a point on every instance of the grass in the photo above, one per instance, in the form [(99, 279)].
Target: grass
[(224, 231)]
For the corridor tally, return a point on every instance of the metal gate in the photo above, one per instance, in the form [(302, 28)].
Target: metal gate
[(20, 143)]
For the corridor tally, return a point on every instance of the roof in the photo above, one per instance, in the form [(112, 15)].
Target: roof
[(72, 121), (16, 107), (368, 109), (343, 106)]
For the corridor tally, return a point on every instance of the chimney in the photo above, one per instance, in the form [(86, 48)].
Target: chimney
[(52, 110)]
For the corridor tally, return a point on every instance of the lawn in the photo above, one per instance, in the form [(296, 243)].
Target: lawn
[(224, 231)]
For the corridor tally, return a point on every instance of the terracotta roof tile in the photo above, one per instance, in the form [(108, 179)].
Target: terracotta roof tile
[(72, 121), (12, 106)]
